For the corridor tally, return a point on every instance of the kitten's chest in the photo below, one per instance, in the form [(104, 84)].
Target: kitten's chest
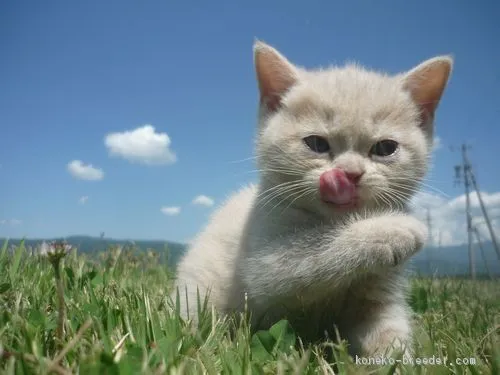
[(264, 227)]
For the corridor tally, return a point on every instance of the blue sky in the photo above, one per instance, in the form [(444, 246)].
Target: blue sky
[(73, 72)]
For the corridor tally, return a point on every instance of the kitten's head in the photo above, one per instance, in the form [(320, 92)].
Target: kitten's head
[(344, 139)]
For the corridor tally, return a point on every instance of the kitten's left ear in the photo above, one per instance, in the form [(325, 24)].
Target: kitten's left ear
[(275, 74), (426, 84)]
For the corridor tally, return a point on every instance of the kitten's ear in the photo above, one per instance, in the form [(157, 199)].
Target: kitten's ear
[(275, 74), (426, 84)]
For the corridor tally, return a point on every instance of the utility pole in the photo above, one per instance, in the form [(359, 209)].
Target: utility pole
[(429, 225), (466, 167), (485, 213), (458, 169), (478, 238), (468, 179)]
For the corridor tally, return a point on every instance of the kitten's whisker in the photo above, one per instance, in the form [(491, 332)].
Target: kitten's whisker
[(436, 190), (284, 184), (289, 172), (278, 186), (281, 156), (263, 203), (420, 183), (383, 198), (274, 195), (307, 191), (271, 196), (406, 189), (376, 199), (394, 197), (284, 199), (405, 194), (409, 180), (242, 160)]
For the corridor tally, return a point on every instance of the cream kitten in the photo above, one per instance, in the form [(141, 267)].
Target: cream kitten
[(323, 238)]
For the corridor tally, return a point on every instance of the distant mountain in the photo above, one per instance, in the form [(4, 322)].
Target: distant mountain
[(452, 260), (168, 250)]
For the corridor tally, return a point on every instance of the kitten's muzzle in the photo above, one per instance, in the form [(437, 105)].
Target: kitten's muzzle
[(339, 187)]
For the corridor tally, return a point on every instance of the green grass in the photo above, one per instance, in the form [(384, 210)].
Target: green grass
[(119, 321)]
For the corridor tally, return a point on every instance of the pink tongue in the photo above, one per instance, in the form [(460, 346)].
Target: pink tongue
[(335, 187)]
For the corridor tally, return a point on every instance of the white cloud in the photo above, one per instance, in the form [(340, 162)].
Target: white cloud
[(85, 171), (141, 145), (83, 199), (203, 200), (448, 217), (492, 200), (10, 222), (171, 211), (437, 143)]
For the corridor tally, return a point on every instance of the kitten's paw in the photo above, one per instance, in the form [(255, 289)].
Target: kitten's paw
[(385, 333), (392, 238), (412, 238)]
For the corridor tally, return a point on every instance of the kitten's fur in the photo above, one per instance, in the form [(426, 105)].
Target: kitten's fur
[(298, 257)]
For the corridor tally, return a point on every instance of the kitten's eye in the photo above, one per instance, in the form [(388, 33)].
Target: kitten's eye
[(386, 147), (317, 143)]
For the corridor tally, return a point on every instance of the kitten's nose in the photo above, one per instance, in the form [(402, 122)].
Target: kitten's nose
[(354, 177)]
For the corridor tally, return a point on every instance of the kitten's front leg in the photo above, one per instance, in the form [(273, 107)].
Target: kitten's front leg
[(314, 262), (377, 319), (379, 314), (385, 334)]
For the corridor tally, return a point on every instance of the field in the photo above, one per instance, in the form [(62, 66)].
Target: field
[(116, 319)]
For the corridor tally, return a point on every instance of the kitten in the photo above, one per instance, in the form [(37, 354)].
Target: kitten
[(323, 238)]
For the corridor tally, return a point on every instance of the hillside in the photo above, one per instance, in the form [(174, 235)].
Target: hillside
[(452, 260), (169, 251)]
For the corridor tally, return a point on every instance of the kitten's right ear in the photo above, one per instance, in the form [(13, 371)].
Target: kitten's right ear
[(275, 74), (426, 84)]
